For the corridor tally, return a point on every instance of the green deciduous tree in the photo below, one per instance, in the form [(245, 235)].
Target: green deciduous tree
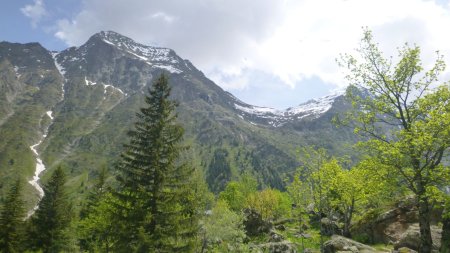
[(335, 190), (51, 224), (237, 192), (311, 181), (354, 191), (11, 220), (401, 98), (157, 205), (223, 229), (270, 203)]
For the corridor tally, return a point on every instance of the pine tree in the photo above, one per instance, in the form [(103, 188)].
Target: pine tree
[(96, 227), (11, 220), (51, 222), (158, 209)]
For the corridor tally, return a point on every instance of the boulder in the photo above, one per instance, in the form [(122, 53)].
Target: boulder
[(388, 227), (254, 223), (411, 238), (275, 237), (342, 244), (329, 227), (277, 247)]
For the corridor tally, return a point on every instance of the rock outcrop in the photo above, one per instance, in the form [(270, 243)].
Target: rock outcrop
[(342, 244), (411, 238), (276, 247), (389, 227)]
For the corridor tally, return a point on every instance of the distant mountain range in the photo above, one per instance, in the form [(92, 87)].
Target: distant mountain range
[(73, 109)]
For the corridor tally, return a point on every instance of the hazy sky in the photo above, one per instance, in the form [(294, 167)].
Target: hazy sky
[(275, 53)]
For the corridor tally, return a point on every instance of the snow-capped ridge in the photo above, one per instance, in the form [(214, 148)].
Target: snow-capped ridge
[(157, 57), (313, 108)]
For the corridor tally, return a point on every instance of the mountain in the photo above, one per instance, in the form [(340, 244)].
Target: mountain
[(73, 109)]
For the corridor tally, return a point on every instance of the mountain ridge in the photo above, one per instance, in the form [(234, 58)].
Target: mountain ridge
[(93, 91)]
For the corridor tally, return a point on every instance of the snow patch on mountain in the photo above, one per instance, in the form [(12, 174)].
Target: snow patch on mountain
[(257, 110), (169, 68), (157, 57), (49, 114), (89, 83), (106, 86), (60, 69), (313, 108), (40, 166)]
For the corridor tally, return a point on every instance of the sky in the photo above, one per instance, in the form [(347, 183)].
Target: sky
[(274, 53)]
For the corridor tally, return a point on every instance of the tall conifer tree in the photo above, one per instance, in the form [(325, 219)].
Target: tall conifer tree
[(52, 219), (157, 210), (11, 220)]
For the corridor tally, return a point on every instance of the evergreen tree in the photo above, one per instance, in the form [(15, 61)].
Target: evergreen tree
[(96, 224), (97, 229), (11, 220), (52, 220), (157, 199), (96, 194)]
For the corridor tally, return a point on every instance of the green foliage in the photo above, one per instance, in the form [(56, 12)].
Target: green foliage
[(158, 205), (219, 170), (51, 224), (270, 203), (97, 229), (11, 221), (402, 96), (237, 192), (223, 229), (336, 191), (313, 240)]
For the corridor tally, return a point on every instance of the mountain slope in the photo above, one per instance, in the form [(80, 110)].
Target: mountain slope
[(81, 102)]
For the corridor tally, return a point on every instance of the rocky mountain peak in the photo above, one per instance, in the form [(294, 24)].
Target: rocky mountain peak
[(158, 57)]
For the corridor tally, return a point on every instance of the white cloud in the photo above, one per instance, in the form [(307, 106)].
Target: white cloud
[(163, 16), (291, 40), (35, 12)]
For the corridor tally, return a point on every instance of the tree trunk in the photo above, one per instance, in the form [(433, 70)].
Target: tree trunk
[(426, 242), (348, 220), (445, 241)]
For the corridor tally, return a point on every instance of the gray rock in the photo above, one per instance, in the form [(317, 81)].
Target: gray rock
[(275, 237), (411, 238), (329, 227), (389, 226), (254, 223), (340, 243), (278, 247)]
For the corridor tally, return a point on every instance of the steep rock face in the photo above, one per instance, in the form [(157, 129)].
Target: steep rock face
[(30, 85), (94, 91)]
